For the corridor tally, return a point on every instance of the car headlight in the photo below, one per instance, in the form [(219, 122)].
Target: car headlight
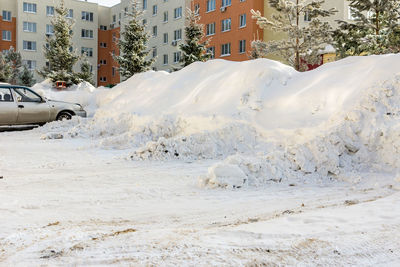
[(80, 108)]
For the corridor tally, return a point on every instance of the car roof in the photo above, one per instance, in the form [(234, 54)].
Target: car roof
[(5, 85)]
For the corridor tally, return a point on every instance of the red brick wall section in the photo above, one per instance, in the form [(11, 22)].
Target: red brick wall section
[(8, 26), (249, 33), (110, 37)]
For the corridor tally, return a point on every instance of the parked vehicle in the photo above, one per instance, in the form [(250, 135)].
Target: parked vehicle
[(20, 105)]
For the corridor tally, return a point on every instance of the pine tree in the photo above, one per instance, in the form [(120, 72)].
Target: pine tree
[(194, 49), (15, 62), (58, 50), (86, 72), (257, 49), (133, 45), (374, 30), (5, 69), (26, 77), (303, 42)]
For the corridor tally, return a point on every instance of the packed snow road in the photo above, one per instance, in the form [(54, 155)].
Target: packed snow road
[(67, 202)]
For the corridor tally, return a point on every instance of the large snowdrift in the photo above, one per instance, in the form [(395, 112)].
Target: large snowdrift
[(262, 117)]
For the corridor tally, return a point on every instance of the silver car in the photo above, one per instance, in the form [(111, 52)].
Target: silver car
[(20, 105)]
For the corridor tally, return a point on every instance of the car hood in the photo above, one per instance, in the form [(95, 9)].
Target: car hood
[(62, 102)]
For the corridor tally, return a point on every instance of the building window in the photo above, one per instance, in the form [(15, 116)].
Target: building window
[(210, 5), (50, 10), (70, 13), (165, 16), (177, 57), (242, 46), (29, 7), (177, 12), (103, 62), (211, 51), (196, 9), (6, 36), (210, 29), (113, 71), (144, 22), (87, 34), (87, 16), (154, 52), (7, 15), (225, 3), (103, 79), (242, 21), (178, 35), (154, 10), (103, 45), (30, 64), (87, 51), (165, 61), (226, 49), (49, 29), (226, 25), (144, 4), (103, 27), (29, 26), (165, 39), (114, 18), (154, 31), (29, 46), (307, 16)]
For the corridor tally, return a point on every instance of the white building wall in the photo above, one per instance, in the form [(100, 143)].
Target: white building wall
[(168, 27), (41, 19)]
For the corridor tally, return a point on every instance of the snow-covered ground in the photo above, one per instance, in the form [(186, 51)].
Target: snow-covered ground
[(63, 202), (220, 164)]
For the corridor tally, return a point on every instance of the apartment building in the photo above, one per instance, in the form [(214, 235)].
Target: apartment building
[(164, 20), (31, 23), (229, 26), (24, 24), (343, 13)]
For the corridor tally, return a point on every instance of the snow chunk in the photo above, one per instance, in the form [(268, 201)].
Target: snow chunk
[(226, 176)]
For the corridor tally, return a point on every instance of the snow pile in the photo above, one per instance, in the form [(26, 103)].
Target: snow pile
[(83, 93), (265, 119), (363, 139)]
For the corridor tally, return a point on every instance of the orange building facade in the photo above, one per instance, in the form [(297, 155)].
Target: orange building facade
[(8, 31), (229, 26), (107, 67)]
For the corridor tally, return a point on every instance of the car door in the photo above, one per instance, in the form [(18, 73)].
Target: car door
[(8, 107), (31, 107)]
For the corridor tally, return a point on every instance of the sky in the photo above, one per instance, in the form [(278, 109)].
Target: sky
[(105, 2)]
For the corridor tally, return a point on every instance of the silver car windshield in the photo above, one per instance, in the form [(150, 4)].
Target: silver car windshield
[(26, 95), (5, 95)]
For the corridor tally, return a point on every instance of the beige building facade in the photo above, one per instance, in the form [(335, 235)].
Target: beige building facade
[(26, 23), (343, 13), (33, 24), (96, 32)]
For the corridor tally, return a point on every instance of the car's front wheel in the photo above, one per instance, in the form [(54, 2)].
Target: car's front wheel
[(64, 116)]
